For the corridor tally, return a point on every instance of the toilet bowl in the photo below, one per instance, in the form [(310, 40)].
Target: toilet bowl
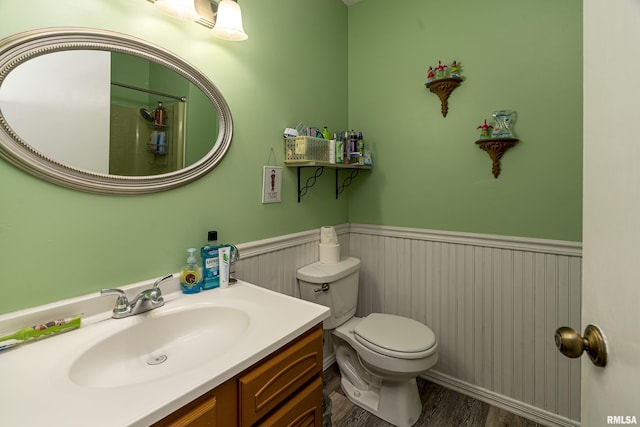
[(380, 355)]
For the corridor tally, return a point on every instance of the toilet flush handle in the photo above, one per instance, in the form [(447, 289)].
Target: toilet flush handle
[(323, 288)]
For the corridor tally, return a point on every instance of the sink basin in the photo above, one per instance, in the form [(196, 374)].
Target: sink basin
[(161, 344)]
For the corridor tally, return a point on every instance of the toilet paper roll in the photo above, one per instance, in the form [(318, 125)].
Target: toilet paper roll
[(329, 254), (328, 236)]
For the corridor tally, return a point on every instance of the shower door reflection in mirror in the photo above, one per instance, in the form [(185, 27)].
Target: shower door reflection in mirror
[(147, 126)]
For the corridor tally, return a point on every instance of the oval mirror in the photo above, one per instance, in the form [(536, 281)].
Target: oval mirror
[(126, 117)]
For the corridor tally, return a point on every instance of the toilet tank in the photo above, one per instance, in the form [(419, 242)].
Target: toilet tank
[(342, 293)]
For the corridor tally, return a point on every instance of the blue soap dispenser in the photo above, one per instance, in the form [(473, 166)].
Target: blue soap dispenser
[(191, 275), (211, 262)]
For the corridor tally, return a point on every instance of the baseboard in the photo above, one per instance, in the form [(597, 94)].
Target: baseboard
[(494, 399), (328, 361)]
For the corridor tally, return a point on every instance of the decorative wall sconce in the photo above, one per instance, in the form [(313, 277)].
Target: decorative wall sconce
[(229, 22), (496, 140), (442, 81), (224, 17)]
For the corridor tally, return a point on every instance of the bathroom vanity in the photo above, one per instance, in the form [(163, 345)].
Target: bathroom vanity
[(285, 388), (241, 356)]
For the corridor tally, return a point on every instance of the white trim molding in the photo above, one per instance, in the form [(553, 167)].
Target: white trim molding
[(261, 247), (558, 247)]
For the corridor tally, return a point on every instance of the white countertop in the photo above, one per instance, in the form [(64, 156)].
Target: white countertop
[(37, 389)]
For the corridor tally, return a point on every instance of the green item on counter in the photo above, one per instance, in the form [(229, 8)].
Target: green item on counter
[(42, 329)]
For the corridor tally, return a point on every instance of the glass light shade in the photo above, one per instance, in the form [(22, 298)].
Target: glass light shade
[(229, 22), (181, 9)]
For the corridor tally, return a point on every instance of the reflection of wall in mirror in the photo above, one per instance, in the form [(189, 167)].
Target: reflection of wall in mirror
[(52, 110)]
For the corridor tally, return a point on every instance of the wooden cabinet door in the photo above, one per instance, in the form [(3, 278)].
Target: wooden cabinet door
[(303, 409), (273, 381), (217, 408)]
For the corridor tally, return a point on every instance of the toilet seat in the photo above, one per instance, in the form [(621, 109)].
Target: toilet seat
[(395, 336)]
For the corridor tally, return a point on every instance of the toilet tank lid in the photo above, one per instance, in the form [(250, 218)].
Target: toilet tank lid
[(327, 273)]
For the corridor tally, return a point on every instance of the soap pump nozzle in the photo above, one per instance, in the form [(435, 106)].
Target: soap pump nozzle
[(191, 259)]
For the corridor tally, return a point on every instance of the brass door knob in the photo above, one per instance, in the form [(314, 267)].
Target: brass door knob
[(571, 344)]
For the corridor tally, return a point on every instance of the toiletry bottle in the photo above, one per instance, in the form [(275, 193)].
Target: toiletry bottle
[(191, 275), (339, 149), (346, 143), (211, 262), (360, 148), (153, 141), (225, 258), (332, 149), (160, 114), (325, 133), (162, 142), (353, 147)]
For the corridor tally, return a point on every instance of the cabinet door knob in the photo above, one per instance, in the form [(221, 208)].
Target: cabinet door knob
[(571, 344)]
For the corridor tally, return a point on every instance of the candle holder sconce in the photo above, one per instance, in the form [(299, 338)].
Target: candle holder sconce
[(442, 81)]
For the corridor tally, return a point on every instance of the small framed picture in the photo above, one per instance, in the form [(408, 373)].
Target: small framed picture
[(271, 184)]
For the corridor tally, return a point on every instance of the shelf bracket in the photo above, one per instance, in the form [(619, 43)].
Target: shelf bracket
[(347, 181), (496, 147), (443, 88), (311, 181)]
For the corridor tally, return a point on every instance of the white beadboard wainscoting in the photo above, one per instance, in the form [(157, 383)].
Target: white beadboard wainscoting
[(494, 303)]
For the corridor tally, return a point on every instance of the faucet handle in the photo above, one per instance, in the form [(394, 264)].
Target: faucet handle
[(162, 279), (122, 303), (155, 294), (235, 254)]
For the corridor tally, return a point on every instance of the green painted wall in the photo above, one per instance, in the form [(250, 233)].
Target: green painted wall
[(362, 67), (57, 243), (515, 54)]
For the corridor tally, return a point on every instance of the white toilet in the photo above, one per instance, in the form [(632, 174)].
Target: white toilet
[(380, 355)]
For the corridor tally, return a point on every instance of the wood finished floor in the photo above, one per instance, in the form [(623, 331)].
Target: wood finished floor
[(441, 407)]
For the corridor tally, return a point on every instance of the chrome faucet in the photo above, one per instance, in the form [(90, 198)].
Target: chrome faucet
[(144, 301), (235, 256)]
